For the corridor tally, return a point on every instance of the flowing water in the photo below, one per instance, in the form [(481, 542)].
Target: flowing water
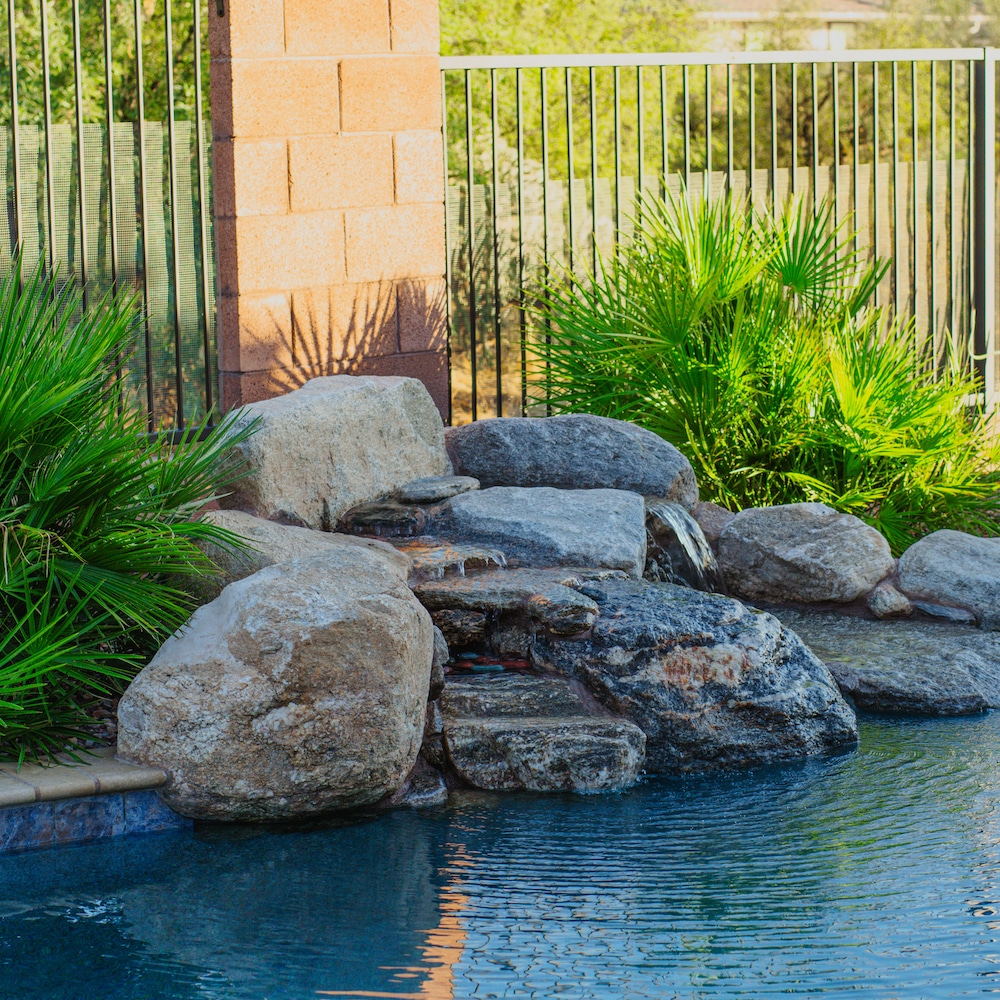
[(874, 873), (680, 550)]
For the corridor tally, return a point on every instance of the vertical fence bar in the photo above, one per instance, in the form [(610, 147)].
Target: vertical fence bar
[(952, 266), (931, 198), (664, 117), (545, 209), (494, 133), (109, 107), (206, 286), (752, 126), (985, 224), (640, 111), (470, 216), (618, 151), (729, 127), (172, 171), (815, 138), (686, 86), (774, 140), (140, 105), (15, 126), (593, 164), (914, 151), (569, 161), (447, 236), (522, 318), (835, 90), (855, 152), (875, 184), (895, 185), (50, 193), (794, 112), (971, 203), (708, 133), (80, 161)]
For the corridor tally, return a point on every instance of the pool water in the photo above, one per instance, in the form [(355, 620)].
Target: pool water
[(874, 873)]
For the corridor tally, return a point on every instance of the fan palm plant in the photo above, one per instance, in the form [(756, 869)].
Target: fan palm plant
[(753, 345), (97, 519)]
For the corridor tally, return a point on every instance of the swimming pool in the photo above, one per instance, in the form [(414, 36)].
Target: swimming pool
[(873, 872)]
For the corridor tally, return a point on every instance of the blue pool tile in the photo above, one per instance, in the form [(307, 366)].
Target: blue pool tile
[(88, 818), (145, 812), (25, 827)]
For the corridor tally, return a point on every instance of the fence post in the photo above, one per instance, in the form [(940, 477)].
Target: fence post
[(984, 232), (329, 192)]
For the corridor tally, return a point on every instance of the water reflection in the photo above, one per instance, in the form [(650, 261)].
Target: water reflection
[(875, 872)]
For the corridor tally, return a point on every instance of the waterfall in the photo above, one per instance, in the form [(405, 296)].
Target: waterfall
[(677, 550)]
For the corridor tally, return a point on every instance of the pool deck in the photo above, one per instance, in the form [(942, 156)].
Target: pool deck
[(97, 796)]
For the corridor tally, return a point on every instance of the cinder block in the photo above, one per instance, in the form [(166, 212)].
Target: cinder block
[(322, 27), (334, 171), (404, 241), (250, 177), (261, 253), (343, 322), (255, 332), (284, 97), (422, 312), (390, 93), (416, 26), (247, 28), (419, 167)]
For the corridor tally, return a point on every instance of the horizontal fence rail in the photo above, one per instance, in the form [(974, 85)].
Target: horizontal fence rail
[(106, 156), (546, 157)]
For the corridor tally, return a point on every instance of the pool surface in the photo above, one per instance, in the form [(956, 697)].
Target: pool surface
[(873, 873)]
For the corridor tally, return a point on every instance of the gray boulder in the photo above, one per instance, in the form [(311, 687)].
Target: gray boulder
[(713, 519), (514, 733), (804, 552), (433, 489), (572, 451), (334, 443), (885, 601), (268, 542), (298, 691), (713, 684), (549, 527), (921, 668), (956, 570)]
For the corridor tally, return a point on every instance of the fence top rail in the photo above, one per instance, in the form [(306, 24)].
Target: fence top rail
[(766, 58)]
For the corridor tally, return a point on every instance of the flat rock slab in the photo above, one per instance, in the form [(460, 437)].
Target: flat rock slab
[(334, 443), (572, 451), (954, 569), (713, 684), (433, 489), (549, 527), (434, 559), (804, 552), (904, 667), (514, 733)]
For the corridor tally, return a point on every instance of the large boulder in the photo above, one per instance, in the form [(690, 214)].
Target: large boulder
[(334, 443), (267, 543), (299, 690), (911, 668), (953, 569), (713, 684), (549, 527), (805, 552), (513, 733), (572, 451)]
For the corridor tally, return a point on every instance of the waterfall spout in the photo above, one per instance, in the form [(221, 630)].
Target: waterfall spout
[(677, 551)]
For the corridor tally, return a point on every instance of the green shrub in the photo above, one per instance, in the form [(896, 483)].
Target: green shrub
[(95, 517), (753, 346)]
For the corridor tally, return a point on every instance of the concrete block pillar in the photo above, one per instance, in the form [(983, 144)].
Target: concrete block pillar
[(328, 192)]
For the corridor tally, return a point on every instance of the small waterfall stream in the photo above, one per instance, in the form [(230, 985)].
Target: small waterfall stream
[(677, 550)]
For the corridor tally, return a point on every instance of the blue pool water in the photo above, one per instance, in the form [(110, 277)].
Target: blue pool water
[(874, 873)]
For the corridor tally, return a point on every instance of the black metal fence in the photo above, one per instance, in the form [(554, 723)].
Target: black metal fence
[(546, 155), (106, 156)]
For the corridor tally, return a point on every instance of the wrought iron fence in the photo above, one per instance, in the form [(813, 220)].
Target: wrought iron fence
[(545, 157), (106, 158)]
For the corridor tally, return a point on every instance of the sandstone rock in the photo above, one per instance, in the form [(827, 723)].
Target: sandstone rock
[(574, 451), (712, 519), (802, 552), (954, 569), (550, 527), (713, 684), (433, 489), (912, 667), (509, 732), (334, 443), (270, 543), (298, 691), (885, 601)]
